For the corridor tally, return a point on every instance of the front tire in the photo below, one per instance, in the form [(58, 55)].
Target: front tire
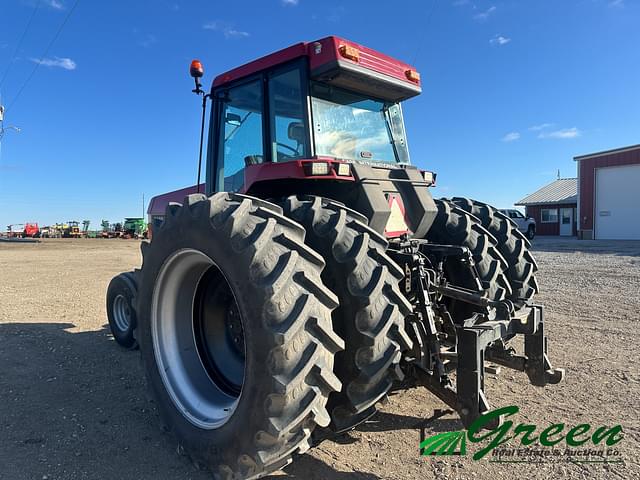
[(235, 254), (121, 313)]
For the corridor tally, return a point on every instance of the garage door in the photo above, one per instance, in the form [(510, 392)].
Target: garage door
[(617, 211)]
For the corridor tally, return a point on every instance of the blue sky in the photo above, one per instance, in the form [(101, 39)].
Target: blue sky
[(512, 90)]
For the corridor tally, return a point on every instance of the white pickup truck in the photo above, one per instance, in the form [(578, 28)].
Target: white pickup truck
[(526, 225)]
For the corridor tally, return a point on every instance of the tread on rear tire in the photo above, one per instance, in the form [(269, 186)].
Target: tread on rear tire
[(455, 226), (285, 313), (372, 311), (512, 244)]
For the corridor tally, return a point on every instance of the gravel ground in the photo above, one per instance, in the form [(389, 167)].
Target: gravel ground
[(73, 405)]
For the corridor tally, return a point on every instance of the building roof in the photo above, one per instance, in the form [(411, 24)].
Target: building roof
[(607, 152), (563, 190)]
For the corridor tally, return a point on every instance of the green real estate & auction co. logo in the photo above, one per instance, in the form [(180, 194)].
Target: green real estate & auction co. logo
[(555, 441)]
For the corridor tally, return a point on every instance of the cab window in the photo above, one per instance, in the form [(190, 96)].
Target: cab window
[(242, 140), (289, 138)]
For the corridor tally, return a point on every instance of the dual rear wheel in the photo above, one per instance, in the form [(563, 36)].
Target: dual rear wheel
[(259, 324), (242, 341)]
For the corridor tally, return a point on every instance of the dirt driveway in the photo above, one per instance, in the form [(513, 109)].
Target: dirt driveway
[(73, 405)]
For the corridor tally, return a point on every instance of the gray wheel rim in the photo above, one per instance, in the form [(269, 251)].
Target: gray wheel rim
[(121, 313), (182, 369)]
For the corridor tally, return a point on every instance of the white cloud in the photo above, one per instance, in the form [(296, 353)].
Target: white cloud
[(616, 3), (511, 137), (230, 32), (484, 15), (499, 40), (336, 14), (290, 3), (226, 29), (542, 126), (55, 4), (58, 62), (564, 133), (148, 40)]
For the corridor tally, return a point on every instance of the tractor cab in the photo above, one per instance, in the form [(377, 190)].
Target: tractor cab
[(323, 110)]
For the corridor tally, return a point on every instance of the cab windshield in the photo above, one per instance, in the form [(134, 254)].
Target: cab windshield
[(350, 126)]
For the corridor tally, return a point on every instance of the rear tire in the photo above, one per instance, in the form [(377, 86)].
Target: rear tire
[(121, 313), (455, 226), (372, 311), (513, 246), (251, 256)]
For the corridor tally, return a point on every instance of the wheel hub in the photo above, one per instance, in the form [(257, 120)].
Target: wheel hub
[(218, 332), (121, 312), (198, 338)]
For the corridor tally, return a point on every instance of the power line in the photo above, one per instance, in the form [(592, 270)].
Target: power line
[(46, 52), (19, 44)]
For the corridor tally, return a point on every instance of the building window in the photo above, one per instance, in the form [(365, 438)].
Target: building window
[(549, 215)]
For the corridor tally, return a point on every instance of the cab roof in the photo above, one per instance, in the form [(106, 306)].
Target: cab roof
[(324, 53)]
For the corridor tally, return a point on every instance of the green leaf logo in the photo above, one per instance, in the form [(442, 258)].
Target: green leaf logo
[(445, 444)]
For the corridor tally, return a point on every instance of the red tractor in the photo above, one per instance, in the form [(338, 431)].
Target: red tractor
[(316, 273)]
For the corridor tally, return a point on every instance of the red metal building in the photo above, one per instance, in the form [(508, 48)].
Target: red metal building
[(553, 207), (609, 191)]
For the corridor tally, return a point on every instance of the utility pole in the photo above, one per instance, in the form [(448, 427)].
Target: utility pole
[(2, 127)]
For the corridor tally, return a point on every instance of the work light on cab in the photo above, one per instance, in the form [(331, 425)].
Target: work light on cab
[(319, 168), (413, 76), (429, 178), (352, 53), (344, 170)]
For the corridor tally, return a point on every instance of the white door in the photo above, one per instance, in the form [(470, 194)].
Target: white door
[(566, 222), (617, 212)]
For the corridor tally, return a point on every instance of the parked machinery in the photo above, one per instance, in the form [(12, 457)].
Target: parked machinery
[(72, 229), (31, 230), (133, 227), (51, 231)]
